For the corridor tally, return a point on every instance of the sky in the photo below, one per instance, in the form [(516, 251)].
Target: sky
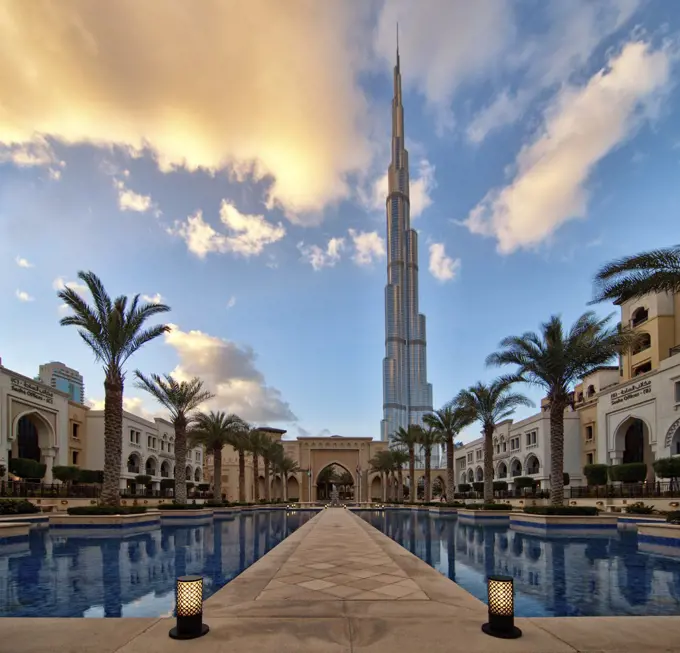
[(228, 158)]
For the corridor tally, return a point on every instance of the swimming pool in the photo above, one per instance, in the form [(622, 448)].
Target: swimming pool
[(54, 574), (594, 575)]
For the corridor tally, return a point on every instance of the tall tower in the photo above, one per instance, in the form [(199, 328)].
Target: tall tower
[(407, 395)]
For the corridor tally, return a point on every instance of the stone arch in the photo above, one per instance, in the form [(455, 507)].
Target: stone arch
[(376, 488), (197, 475), (189, 473), (134, 463), (151, 466), (479, 474), (41, 431), (502, 470), (277, 487), (261, 486), (438, 480), (673, 438), (632, 442), (532, 465), (331, 464), (515, 467), (165, 469), (293, 488), (470, 476)]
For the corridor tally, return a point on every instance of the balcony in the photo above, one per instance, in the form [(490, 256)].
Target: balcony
[(674, 350)]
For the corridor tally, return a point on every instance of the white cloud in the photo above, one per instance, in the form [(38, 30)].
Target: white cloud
[(129, 200), (23, 263), (443, 267), (581, 126), (368, 247), (153, 299), (229, 371), (232, 302), (319, 258), (134, 405), (23, 296), (421, 187), (60, 284), (246, 234)]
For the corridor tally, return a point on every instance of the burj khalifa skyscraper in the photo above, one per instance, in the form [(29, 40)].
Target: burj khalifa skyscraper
[(407, 395)]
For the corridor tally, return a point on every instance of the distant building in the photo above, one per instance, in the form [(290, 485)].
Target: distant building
[(63, 378)]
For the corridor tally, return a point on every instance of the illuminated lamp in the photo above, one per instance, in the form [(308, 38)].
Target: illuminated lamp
[(189, 609), (501, 622)]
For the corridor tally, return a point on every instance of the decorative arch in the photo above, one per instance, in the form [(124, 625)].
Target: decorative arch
[(46, 435), (151, 466), (632, 439), (673, 433), (189, 473), (134, 463), (515, 467), (639, 315), (502, 470), (479, 474), (165, 469), (197, 475), (470, 476), (532, 465)]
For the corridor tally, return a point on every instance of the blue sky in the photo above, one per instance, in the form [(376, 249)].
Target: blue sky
[(239, 174)]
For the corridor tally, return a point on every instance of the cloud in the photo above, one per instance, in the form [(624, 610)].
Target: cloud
[(319, 258), (60, 284), (421, 187), (134, 405), (229, 371), (153, 299), (368, 247), (232, 302), (195, 89), (550, 59), (128, 200), (581, 126), (443, 267), (246, 234), (23, 296), (23, 263)]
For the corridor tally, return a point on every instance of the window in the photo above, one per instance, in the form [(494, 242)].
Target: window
[(162, 445), (469, 457), (74, 430), (589, 432), (134, 436), (198, 456), (645, 342), (591, 390), (589, 459), (74, 458), (514, 444), (479, 454), (643, 369), (532, 437), (639, 316), (148, 441)]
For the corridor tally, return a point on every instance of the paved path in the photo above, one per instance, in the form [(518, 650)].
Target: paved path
[(337, 585)]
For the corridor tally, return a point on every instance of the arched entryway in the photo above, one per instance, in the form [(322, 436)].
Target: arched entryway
[(34, 435), (532, 466), (293, 489), (479, 475), (502, 470), (515, 468), (334, 474), (376, 488), (151, 466), (165, 469), (134, 463), (632, 444)]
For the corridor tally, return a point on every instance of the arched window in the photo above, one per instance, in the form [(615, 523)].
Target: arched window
[(197, 474), (502, 471), (151, 466), (639, 315), (133, 464), (516, 468), (591, 390), (645, 342), (532, 465)]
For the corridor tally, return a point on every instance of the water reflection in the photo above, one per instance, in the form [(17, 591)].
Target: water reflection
[(594, 575), (126, 575)]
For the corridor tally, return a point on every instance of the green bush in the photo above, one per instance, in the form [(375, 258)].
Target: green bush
[(27, 469), (628, 472), (17, 507), (500, 486), (478, 486), (639, 508), (673, 517), (180, 506), (454, 504), (667, 467), (294, 500), (143, 479), (203, 487), (90, 476), (523, 481), (596, 474), (489, 506), (216, 504), (561, 510), (106, 510), (66, 473), (464, 487)]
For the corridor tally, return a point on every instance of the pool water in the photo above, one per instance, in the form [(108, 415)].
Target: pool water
[(55, 574), (576, 576)]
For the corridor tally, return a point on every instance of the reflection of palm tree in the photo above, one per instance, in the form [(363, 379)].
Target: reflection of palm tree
[(181, 551), (450, 550), (216, 562), (111, 587), (489, 552), (559, 580), (428, 540), (241, 542), (256, 536), (636, 584)]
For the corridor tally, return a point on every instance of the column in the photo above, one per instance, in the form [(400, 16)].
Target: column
[(48, 459)]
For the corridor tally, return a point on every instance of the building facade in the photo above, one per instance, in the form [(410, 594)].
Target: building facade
[(63, 378), (407, 395), (148, 450)]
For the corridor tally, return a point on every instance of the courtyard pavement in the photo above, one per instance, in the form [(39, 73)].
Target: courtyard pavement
[(337, 585)]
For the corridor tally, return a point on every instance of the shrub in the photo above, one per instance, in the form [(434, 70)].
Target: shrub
[(66, 473), (294, 500), (673, 517), (628, 472), (489, 506), (561, 510), (17, 507), (523, 481), (478, 486), (143, 479), (167, 484), (180, 506), (203, 487), (639, 508), (90, 476), (464, 487), (596, 474), (667, 467), (454, 504), (27, 468), (216, 504), (106, 510), (500, 486), (190, 485)]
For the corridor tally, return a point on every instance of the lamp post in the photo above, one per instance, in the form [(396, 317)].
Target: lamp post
[(501, 608), (189, 609)]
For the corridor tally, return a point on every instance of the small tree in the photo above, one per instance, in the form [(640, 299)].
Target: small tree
[(143, 479), (27, 468), (500, 486), (66, 473), (523, 482), (628, 472), (668, 468), (478, 486), (596, 474), (464, 487)]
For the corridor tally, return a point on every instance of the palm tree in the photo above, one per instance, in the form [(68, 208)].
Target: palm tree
[(346, 481), (449, 421), (286, 466), (212, 430), (327, 476), (257, 445), (638, 275), (181, 398), (114, 330), (408, 438), (381, 463), (239, 442), (428, 438), (556, 360), (490, 404), (269, 452), (399, 458)]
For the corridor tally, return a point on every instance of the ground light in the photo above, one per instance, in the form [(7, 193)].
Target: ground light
[(189, 609), (501, 608)]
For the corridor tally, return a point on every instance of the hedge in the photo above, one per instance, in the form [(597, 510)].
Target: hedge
[(523, 481), (667, 467), (180, 506), (106, 510), (596, 474), (464, 487), (561, 510), (27, 468), (639, 508), (489, 506), (500, 486), (628, 472), (478, 486), (66, 473), (17, 507), (673, 517)]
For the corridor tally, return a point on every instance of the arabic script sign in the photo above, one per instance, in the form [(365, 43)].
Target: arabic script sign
[(32, 390), (631, 392)]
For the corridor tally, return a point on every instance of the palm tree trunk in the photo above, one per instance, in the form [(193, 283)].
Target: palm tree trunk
[(400, 487), (267, 489), (450, 482), (557, 453), (113, 439), (241, 476), (428, 456), (217, 473), (413, 486), (180, 425), (256, 477), (284, 488), (488, 464)]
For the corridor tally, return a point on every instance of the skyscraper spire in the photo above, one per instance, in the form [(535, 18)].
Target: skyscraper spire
[(407, 395)]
